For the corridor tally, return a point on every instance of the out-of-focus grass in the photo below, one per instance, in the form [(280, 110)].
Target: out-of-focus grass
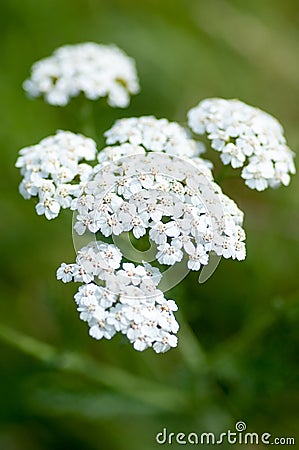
[(237, 357)]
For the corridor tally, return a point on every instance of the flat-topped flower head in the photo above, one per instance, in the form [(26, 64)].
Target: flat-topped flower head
[(121, 298), (154, 135), (53, 169), (169, 199), (89, 68), (247, 138)]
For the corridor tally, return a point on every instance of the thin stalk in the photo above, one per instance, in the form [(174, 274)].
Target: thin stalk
[(158, 395), (191, 350), (87, 118)]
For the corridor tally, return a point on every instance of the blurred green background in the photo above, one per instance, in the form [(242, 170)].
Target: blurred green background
[(238, 353)]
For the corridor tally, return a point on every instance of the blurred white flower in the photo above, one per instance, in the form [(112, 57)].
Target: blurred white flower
[(245, 137), (52, 171), (93, 69)]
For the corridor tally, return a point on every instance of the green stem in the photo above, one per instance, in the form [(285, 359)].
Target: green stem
[(87, 118), (160, 396), (190, 348)]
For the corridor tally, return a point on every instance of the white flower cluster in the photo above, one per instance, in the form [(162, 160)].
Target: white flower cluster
[(149, 181), (245, 137), (126, 301), (154, 135), (52, 170), (172, 200), (93, 69), (143, 188)]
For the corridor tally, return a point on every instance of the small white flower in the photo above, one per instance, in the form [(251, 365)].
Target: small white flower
[(166, 305), (151, 211), (86, 292), (132, 274), (110, 224), (46, 188), (138, 226), (152, 272), (118, 319), (65, 272), (233, 155), (86, 221), (168, 254), (90, 310), (99, 328), (158, 232), (197, 258), (166, 201), (81, 275), (224, 246), (106, 298), (111, 256), (49, 207), (240, 250), (64, 195), (135, 335), (258, 174), (165, 342), (82, 204), (172, 229)]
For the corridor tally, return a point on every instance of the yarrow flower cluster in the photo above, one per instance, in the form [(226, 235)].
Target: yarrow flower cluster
[(52, 170), (93, 69), (125, 298), (166, 197), (245, 137), (149, 181)]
